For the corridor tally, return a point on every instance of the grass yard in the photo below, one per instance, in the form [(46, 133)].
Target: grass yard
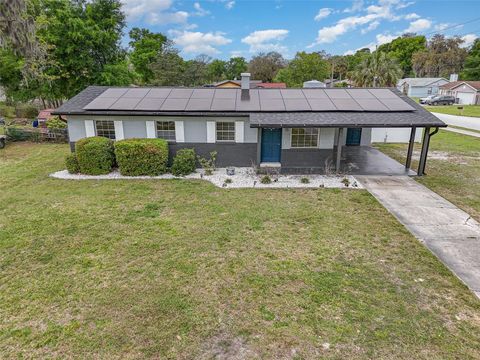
[(453, 168), (468, 110), (184, 270)]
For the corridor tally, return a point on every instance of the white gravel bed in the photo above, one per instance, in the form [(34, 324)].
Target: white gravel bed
[(244, 178)]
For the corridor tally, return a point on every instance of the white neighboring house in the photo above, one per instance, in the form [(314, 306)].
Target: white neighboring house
[(420, 87), (466, 92)]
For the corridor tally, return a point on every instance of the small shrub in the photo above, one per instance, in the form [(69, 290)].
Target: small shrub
[(184, 162), (95, 155), (228, 181), (266, 179), (7, 111), (142, 157), (71, 162), (305, 180), (346, 182), (55, 123), (208, 164), (26, 111)]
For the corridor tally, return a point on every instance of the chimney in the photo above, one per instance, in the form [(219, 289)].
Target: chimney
[(245, 81)]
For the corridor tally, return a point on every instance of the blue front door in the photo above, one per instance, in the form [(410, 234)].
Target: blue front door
[(354, 136), (271, 145)]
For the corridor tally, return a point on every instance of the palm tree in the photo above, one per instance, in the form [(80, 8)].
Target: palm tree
[(378, 69)]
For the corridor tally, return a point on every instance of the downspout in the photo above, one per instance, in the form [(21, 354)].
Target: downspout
[(424, 153)]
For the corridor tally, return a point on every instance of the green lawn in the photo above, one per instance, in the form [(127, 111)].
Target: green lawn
[(179, 269), (468, 110), (453, 168)]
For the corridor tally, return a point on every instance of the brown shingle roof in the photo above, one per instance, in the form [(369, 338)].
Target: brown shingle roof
[(454, 84)]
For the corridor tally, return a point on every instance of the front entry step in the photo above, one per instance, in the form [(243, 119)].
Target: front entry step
[(270, 165)]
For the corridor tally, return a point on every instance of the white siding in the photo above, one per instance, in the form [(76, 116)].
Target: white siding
[(327, 138), (151, 129), (211, 131), (179, 131), (89, 128), (394, 135), (286, 138), (239, 132), (119, 130)]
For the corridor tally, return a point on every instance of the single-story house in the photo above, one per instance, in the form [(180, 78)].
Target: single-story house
[(43, 116), (466, 92), (292, 130), (254, 84), (420, 87)]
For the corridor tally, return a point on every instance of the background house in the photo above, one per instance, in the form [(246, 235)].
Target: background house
[(466, 92), (420, 87), (254, 84)]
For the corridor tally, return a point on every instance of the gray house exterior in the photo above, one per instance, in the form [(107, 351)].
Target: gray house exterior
[(295, 130), (420, 87)]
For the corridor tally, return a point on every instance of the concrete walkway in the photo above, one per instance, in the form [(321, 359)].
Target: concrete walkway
[(461, 131), (467, 122), (450, 233)]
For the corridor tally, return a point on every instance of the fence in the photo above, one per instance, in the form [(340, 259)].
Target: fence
[(37, 135)]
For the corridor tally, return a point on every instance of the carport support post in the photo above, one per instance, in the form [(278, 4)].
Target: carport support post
[(339, 150), (410, 148), (423, 154)]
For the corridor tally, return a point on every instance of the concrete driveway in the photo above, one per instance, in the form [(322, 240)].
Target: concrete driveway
[(450, 233), (462, 121)]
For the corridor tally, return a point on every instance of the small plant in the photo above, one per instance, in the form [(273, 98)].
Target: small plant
[(305, 180), (228, 181), (184, 162), (208, 164), (55, 123), (266, 179), (71, 162), (346, 182)]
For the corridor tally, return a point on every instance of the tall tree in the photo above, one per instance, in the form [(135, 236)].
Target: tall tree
[(302, 68), (168, 68), (403, 48), (442, 57), (378, 69), (216, 70), (145, 45), (234, 67), (195, 72), (471, 69), (265, 66)]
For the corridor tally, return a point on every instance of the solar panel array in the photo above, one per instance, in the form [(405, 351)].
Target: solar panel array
[(255, 100)]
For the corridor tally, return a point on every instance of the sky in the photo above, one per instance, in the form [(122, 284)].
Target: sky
[(226, 28)]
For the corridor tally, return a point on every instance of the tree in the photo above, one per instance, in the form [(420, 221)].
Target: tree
[(442, 57), (403, 48), (216, 70), (265, 66), (145, 45), (378, 69), (234, 67), (168, 68), (471, 69), (302, 68), (195, 72)]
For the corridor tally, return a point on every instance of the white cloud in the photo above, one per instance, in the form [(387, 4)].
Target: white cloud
[(266, 40), (322, 14), (236, 53), (412, 16), (468, 40), (329, 34), (357, 5), (198, 42), (199, 11), (230, 4), (372, 26), (418, 26), (442, 26), (384, 38), (153, 12)]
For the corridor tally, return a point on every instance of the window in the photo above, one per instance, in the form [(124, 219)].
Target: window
[(166, 130), (304, 138), (225, 131), (105, 128)]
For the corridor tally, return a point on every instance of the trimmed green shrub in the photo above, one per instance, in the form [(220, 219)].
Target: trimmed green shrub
[(266, 179), (95, 155), (184, 162), (138, 157), (55, 123), (71, 162)]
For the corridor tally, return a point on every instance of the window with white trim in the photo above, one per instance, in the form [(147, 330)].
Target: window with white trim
[(304, 138), (105, 128), (225, 131), (166, 130)]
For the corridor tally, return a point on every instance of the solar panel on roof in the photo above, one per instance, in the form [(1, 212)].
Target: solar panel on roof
[(371, 104), (338, 94), (223, 105), (225, 93), (271, 105), (150, 104), (321, 105), (180, 94), (383, 93), (113, 92), (100, 103), (360, 94), (396, 104), (158, 93), (346, 105), (296, 105), (174, 104), (125, 104), (136, 93), (292, 94), (199, 104), (247, 101), (270, 94), (203, 93), (315, 93)]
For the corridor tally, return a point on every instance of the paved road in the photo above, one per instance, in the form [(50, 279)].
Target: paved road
[(462, 121), (461, 131), (450, 233)]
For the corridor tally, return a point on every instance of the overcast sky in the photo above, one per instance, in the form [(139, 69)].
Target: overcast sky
[(225, 28)]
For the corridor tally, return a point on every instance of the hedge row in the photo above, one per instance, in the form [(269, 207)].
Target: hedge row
[(134, 157)]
